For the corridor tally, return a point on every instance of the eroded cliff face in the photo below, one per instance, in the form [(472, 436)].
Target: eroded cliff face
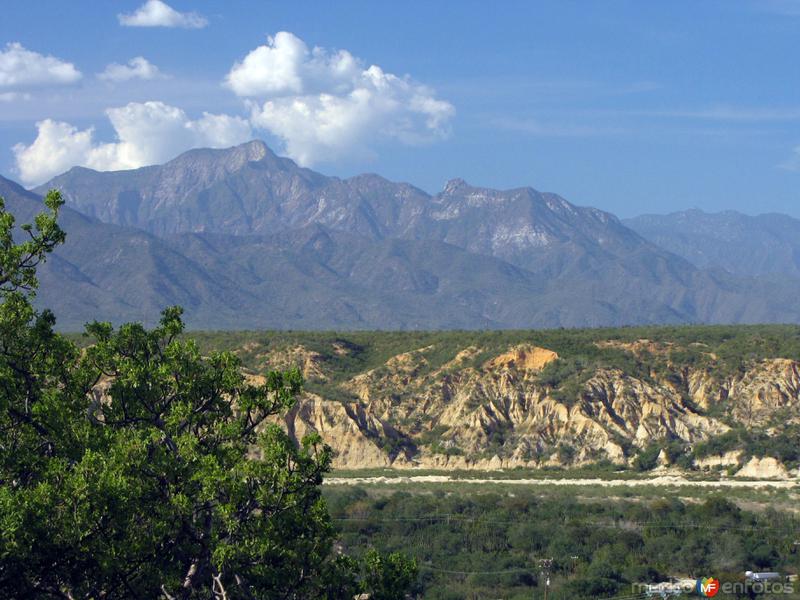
[(503, 411)]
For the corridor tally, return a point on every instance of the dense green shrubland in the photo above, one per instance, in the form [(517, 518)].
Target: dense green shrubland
[(733, 345), (488, 545)]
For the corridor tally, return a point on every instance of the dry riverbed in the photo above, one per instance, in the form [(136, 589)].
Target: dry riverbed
[(660, 481)]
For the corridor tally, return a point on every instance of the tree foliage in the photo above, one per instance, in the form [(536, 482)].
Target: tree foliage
[(139, 468)]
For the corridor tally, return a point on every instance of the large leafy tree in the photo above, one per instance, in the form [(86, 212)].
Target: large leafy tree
[(137, 468)]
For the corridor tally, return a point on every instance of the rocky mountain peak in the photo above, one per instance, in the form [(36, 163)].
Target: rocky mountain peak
[(454, 186), (226, 159), (255, 150)]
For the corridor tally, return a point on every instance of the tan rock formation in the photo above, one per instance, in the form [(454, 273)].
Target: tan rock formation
[(456, 415), (524, 357), (763, 468), (309, 362), (729, 459)]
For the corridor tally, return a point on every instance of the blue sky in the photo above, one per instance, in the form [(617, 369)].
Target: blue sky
[(629, 106)]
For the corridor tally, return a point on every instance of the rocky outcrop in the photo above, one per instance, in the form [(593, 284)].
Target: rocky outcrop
[(524, 357), (307, 361), (728, 459), (498, 413), (770, 387), (358, 435), (763, 468)]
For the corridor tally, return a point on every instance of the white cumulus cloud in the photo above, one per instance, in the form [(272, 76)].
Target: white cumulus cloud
[(137, 68), (23, 68), (147, 133), (155, 13), (325, 103)]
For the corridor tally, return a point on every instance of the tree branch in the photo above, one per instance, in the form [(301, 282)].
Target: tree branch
[(167, 595)]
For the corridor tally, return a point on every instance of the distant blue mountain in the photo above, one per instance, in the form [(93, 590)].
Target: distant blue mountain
[(245, 239), (764, 245)]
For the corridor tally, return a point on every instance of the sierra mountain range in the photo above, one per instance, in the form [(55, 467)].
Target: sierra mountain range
[(762, 245), (243, 238)]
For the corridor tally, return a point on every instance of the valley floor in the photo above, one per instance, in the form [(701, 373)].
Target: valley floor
[(493, 535), (399, 478)]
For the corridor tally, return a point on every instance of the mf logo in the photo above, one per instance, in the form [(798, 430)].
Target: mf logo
[(708, 587)]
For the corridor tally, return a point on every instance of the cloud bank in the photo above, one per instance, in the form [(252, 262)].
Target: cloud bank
[(155, 13), (323, 103), (21, 68), (137, 68), (147, 133)]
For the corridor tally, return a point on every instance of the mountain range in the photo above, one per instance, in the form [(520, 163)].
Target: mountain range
[(762, 245), (243, 238)]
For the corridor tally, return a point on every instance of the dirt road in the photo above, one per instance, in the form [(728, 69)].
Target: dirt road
[(662, 481)]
